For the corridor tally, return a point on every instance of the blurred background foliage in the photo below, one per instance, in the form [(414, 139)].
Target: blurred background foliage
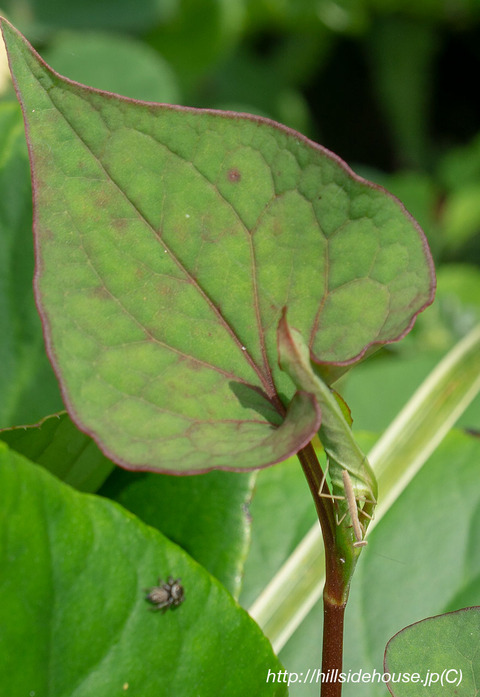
[(386, 84)]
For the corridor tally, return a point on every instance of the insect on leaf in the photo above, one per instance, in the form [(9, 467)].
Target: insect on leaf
[(168, 241), (353, 483)]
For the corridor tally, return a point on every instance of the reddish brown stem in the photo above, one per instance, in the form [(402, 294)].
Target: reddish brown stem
[(336, 591), (314, 475), (332, 656)]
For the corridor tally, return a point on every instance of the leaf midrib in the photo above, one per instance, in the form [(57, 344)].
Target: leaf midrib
[(265, 380)]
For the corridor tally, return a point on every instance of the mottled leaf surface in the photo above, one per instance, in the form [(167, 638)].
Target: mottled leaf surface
[(168, 242), (73, 584)]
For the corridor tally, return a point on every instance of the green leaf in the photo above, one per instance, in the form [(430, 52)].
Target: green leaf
[(442, 651), (163, 269), (461, 216), (58, 445), (377, 390), (207, 515), (115, 63), (74, 581), (244, 83), (420, 193), (199, 34), (111, 14), (27, 383), (403, 53)]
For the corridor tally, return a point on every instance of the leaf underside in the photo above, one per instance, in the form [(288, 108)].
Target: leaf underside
[(168, 242)]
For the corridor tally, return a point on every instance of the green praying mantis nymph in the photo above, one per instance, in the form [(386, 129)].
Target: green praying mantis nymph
[(354, 503), (353, 487), (353, 510)]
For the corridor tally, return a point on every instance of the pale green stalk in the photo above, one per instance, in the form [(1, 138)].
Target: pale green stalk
[(397, 456)]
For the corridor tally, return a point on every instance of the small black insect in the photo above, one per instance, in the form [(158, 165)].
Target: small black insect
[(165, 595)]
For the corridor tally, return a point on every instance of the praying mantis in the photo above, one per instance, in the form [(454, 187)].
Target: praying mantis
[(353, 487), (354, 504)]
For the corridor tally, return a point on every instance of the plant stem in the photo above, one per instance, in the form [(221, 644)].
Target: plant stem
[(314, 475), (396, 458), (334, 594), (332, 655)]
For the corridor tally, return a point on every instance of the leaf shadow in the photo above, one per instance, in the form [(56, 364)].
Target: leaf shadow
[(254, 398)]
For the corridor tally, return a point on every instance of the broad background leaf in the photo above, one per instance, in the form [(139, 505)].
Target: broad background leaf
[(85, 566), (114, 63), (447, 645), (27, 384), (208, 515), (43, 15), (58, 445), (393, 382), (199, 34), (135, 281)]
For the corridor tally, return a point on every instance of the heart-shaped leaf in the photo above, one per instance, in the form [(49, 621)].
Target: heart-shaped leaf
[(168, 242)]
